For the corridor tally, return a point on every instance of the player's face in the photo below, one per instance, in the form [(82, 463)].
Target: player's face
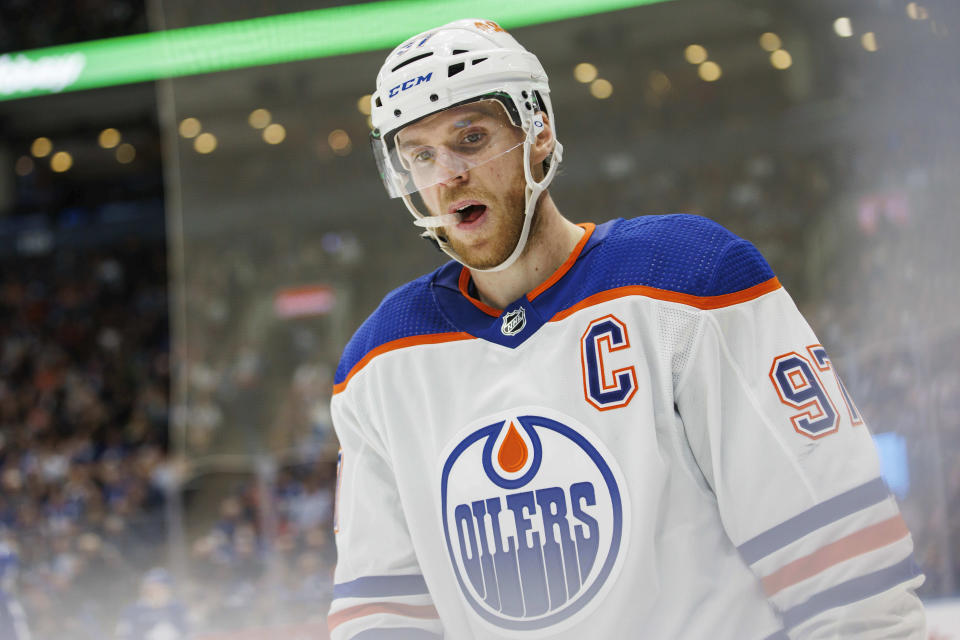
[(469, 161)]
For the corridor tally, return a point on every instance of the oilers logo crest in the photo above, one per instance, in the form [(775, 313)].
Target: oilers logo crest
[(535, 517)]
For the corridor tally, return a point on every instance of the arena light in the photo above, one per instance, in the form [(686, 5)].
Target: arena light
[(585, 72), (917, 12), (842, 27), (189, 127), (869, 41), (41, 147), (24, 166), (781, 59), (274, 133), (205, 143), (770, 41), (259, 118), (339, 141), (61, 161), (126, 153), (710, 71), (261, 41), (659, 82), (695, 54), (108, 138), (601, 89), (363, 104)]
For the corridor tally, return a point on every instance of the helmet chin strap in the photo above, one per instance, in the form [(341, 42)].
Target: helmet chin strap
[(532, 192)]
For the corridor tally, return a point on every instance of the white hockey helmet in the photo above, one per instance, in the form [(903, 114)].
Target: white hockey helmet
[(461, 62)]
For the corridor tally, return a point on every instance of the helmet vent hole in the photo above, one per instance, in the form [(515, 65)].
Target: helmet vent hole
[(397, 112), (413, 59), (454, 69), (459, 51), (538, 100), (478, 61), (379, 103), (434, 97)]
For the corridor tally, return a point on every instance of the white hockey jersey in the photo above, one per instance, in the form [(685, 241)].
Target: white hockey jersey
[(652, 444)]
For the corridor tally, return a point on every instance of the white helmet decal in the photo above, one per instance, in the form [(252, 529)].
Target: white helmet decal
[(458, 63)]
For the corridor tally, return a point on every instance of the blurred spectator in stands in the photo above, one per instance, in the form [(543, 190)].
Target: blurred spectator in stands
[(157, 614)]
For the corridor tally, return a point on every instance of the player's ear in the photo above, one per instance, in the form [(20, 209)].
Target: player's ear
[(543, 145)]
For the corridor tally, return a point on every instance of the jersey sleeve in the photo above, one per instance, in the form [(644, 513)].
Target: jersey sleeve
[(379, 591), (795, 472)]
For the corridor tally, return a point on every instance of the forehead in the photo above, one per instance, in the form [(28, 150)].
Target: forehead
[(488, 111)]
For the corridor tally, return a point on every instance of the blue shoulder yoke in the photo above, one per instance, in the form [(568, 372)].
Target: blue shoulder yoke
[(678, 252)]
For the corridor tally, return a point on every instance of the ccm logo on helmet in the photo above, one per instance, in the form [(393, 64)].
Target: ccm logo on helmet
[(410, 84), (534, 517)]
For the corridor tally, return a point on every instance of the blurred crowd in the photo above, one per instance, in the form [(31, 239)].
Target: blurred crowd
[(897, 337), (86, 466), (83, 425)]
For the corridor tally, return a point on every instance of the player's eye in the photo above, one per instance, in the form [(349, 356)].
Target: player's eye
[(473, 138), (421, 156)]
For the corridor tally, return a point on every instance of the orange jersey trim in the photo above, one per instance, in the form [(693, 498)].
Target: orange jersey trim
[(856, 544), (463, 283), (479, 304), (426, 611), (401, 343), (588, 228), (700, 302)]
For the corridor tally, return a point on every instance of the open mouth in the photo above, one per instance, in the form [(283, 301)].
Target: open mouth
[(471, 212)]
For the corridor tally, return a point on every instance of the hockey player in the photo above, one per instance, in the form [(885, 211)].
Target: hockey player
[(623, 430)]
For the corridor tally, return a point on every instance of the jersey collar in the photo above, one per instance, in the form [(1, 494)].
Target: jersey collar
[(457, 298), (468, 290)]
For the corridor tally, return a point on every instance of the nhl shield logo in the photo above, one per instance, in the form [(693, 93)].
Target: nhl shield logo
[(514, 322), (535, 517)]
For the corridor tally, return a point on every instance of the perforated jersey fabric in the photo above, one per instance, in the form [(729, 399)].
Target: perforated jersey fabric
[(740, 267), (407, 311), (678, 327), (677, 252)]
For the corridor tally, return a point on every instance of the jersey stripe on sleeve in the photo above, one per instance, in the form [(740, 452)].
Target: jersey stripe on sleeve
[(852, 591), (351, 601), (827, 556), (422, 612), (381, 587), (867, 539), (849, 502), (404, 633)]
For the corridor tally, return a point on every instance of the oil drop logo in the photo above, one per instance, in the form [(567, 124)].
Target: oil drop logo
[(535, 518)]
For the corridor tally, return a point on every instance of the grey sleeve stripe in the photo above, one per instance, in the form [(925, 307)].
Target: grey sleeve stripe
[(856, 499), (852, 591)]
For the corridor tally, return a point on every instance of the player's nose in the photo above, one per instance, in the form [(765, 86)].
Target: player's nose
[(454, 169), (456, 180)]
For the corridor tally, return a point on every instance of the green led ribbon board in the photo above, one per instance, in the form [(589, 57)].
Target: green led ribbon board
[(261, 41)]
